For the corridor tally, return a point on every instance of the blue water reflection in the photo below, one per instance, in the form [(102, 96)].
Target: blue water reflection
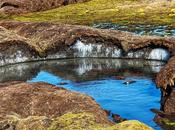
[(132, 101)]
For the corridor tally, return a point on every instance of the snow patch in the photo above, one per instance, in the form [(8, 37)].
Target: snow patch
[(95, 50), (159, 54)]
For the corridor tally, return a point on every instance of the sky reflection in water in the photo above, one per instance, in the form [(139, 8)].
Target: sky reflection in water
[(132, 101)]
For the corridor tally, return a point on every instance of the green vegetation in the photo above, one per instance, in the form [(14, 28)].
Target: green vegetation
[(115, 11), (68, 121), (167, 122)]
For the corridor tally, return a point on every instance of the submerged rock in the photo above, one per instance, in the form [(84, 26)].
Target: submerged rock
[(24, 6), (62, 83), (117, 118), (119, 77)]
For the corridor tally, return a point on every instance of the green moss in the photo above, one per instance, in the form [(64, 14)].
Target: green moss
[(69, 121), (86, 121), (116, 11), (168, 122), (132, 125), (80, 121), (33, 123)]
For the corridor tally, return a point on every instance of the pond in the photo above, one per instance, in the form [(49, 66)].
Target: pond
[(161, 30), (99, 79)]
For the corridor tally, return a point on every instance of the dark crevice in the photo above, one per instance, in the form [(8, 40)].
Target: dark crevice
[(9, 4), (66, 2), (165, 97)]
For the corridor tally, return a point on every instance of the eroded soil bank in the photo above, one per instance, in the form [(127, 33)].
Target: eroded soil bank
[(41, 41)]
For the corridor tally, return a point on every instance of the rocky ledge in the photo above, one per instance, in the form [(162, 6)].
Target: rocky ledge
[(41, 106), (26, 41), (25, 6)]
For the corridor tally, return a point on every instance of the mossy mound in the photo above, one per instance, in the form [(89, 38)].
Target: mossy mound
[(131, 125), (115, 11), (69, 121), (80, 121)]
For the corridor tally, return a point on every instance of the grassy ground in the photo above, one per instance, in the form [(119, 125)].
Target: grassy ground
[(115, 11)]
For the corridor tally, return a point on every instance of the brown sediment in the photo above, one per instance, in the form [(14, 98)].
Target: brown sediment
[(25, 6), (47, 38)]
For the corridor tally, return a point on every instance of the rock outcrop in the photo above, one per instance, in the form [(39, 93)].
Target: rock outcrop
[(41, 99), (25, 6), (41, 106)]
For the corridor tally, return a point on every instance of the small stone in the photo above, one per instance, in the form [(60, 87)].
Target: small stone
[(108, 112), (129, 82), (117, 118), (62, 83)]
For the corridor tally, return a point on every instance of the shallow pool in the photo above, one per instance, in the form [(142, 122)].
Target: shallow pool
[(139, 29), (97, 78)]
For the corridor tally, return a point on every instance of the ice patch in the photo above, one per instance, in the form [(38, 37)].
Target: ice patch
[(159, 54), (95, 50)]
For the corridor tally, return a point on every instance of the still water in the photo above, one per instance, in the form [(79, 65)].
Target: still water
[(97, 78), (139, 29)]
